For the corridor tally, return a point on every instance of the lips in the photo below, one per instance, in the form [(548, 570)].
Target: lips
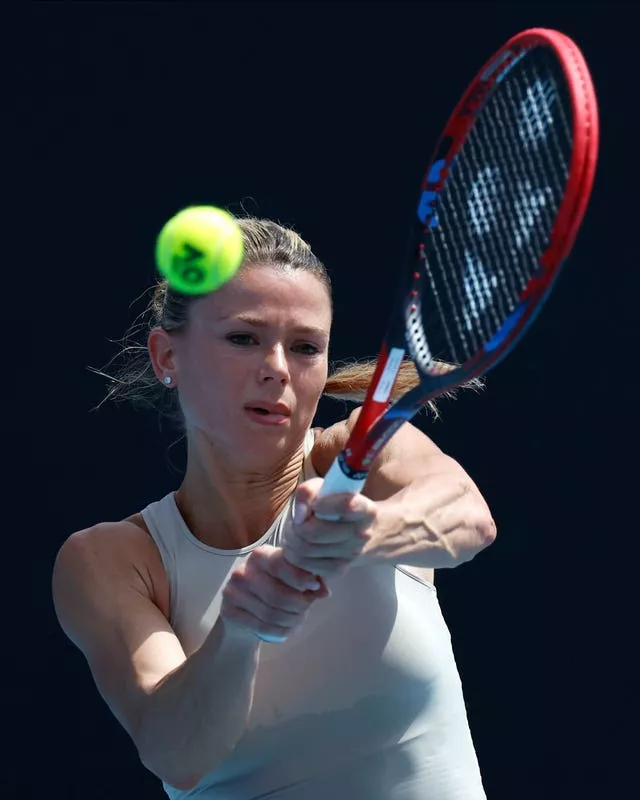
[(269, 408), (267, 413)]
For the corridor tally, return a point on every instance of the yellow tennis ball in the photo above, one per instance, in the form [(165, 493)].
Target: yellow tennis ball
[(199, 249)]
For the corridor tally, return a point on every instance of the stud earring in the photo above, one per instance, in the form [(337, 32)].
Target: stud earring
[(168, 380)]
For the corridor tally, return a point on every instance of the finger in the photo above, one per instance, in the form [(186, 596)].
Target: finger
[(304, 496), (348, 507), (302, 553), (320, 532), (270, 593), (332, 506), (324, 567), (263, 611), (246, 620), (272, 561), (308, 491), (301, 549)]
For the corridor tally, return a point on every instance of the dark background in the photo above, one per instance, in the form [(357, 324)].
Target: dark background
[(322, 116)]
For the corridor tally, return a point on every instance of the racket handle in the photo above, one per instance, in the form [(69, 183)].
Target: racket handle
[(337, 482)]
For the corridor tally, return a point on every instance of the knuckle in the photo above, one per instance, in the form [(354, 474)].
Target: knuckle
[(231, 590), (264, 628), (262, 553), (295, 577), (304, 533), (290, 567), (276, 618), (272, 597), (240, 581), (277, 596), (241, 569), (301, 548), (304, 493), (267, 615)]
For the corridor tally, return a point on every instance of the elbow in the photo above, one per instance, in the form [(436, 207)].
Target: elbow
[(484, 535), (163, 757), (175, 770), (480, 524), (183, 783), (487, 532), (476, 528), (476, 538), (180, 764), (172, 769), (480, 519)]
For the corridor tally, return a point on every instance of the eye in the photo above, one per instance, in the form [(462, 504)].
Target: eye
[(306, 349), (241, 339)]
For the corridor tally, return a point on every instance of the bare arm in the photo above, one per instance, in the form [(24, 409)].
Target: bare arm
[(178, 710), (430, 513), (197, 713)]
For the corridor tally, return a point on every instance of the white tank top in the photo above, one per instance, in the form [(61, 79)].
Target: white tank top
[(363, 703)]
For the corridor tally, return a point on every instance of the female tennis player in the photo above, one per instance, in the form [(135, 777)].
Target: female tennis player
[(248, 647)]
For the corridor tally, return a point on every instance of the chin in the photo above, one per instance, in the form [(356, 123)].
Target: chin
[(263, 441), (270, 440)]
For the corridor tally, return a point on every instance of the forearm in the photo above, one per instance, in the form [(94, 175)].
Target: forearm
[(196, 715), (435, 522)]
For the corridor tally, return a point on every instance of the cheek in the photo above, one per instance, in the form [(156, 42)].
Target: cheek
[(210, 382), (311, 384)]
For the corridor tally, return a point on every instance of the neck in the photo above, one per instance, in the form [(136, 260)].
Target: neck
[(230, 507)]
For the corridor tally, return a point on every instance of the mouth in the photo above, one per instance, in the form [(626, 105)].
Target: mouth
[(267, 413)]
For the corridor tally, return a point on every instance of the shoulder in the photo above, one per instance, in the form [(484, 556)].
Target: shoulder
[(115, 550), (328, 442)]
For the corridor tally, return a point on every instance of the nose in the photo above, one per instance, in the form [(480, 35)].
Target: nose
[(275, 365)]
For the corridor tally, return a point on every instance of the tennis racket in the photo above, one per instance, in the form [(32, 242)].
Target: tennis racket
[(498, 212)]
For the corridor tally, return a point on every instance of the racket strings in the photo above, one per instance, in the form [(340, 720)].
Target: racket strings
[(494, 217), (530, 203), (509, 240)]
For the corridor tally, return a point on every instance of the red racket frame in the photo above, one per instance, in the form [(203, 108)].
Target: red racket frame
[(377, 422)]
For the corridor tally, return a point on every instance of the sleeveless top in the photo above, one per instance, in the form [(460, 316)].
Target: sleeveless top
[(364, 702)]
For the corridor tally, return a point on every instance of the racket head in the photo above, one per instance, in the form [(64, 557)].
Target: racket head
[(568, 61), (513, 170)]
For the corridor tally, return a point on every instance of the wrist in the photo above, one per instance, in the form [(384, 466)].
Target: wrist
[(235, 636)]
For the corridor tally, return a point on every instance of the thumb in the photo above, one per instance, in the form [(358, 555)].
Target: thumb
[(304, 496)]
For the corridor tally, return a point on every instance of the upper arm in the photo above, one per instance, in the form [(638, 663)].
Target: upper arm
[(408, 455), (104, 604)]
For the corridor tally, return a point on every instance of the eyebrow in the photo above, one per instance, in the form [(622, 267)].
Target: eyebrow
[(256, 322)]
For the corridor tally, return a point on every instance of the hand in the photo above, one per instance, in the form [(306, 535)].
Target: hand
[(326, 548), (269, 597)]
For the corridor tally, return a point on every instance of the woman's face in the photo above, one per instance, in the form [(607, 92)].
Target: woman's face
[(252, 361)]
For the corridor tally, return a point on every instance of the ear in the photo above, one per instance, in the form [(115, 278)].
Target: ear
[(162, 353)]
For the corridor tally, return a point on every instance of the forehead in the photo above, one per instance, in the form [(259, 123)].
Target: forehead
[(263, 290)]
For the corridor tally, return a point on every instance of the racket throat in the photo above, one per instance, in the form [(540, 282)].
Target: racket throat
[(378, 396)]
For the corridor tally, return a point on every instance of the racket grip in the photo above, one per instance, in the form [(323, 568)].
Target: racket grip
[(336, 481)]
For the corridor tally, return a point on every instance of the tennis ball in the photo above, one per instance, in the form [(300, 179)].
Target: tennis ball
[(199, 249)]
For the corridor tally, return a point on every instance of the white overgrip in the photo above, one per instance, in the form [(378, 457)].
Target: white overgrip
[(336, 482)]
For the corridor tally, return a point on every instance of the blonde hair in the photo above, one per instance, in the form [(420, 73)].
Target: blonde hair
[(131, 375), (351, 381)]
